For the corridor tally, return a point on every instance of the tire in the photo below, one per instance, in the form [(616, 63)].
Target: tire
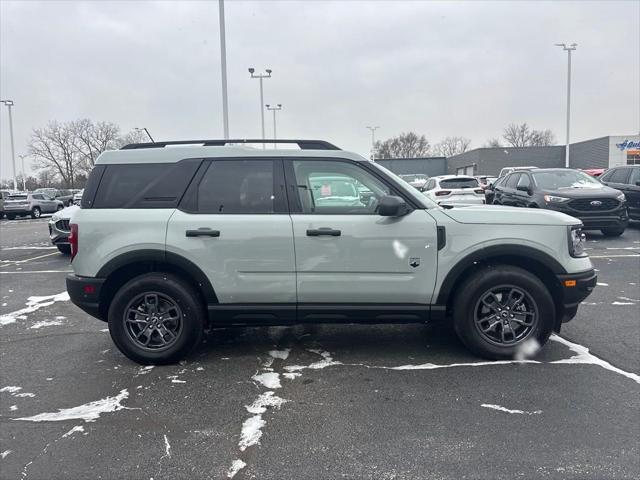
[(173, 297), (60, 207), (468, 306), (613, 231), (35, 213), (64, 248), (11, 216), (496, 202)]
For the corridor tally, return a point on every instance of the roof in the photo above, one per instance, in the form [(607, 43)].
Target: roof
[(447, 177), (165, 152)]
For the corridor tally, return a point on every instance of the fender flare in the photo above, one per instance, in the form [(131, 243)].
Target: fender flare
[(495, 251)]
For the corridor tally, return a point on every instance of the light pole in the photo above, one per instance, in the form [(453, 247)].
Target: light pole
[(373, 141), (9, 104), (261, 76), (24, 174), (223, 65), (137, 129), (274, 109), (568, 49)]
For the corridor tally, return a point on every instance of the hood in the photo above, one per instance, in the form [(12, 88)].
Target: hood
[(600, 192), (500, 215), (65, 213)]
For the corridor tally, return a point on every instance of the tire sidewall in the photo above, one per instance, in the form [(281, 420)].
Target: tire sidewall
[(35, 213), (469, 294), (181, 294)]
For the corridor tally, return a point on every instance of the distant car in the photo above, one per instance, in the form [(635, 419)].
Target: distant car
[(627, 180), (508, 170), (594, 172), (77, 197), (485, 180), (30, 204), (59, 228), (65, 196), (416, 180), (3, 194), (568, 191), (454, 189)]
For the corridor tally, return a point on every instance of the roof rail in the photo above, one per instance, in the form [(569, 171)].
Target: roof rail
[(303, 144)]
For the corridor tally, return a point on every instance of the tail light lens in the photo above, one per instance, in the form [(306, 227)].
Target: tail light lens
[(73, 240), (479, 190), (441, 193)]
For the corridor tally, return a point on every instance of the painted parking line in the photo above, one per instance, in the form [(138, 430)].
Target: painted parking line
[(35, 271), (16, 262), (26, 247), (615, 256)]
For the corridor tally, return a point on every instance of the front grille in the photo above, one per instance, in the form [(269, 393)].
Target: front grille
[(594, 204), (63, 225)]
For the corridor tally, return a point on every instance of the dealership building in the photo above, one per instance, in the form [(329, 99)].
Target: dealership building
[(603, 152)]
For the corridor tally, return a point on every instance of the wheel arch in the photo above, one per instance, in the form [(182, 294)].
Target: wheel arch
[(124, 267), (539, 263)]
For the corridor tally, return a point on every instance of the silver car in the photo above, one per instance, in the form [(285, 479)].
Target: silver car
[(30, 204), (59, 228)]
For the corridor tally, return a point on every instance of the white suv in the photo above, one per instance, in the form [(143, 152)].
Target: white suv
[(455, 189), (172, 241)]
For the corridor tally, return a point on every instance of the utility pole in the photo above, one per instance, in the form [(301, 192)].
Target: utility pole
[(261, 76), (373, 141), (223, 65), (274, 109), (24, 174), (568, 49), (9, 104)]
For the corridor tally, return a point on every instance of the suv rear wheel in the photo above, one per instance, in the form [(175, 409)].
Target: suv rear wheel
[(35, 213), (156, 318), (500, 308), (612, 231)]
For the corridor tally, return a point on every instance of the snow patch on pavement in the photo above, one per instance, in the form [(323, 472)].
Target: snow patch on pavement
[(507, 410), (268, 379), (5, 453), (33, 304), (622, 303), (602, 284), (327, 361), (281, 354), (46, 323), (77, 428), (89, 412), (236, 466), (10, 389)]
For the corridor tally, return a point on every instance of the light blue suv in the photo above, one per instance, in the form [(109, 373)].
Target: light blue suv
[(172, 241)]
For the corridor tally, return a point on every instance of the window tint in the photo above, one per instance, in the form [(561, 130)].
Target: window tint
[(37, 196), (151, 185), (512, 180), (635, 176), (334, 187), (619, 175), (237, 186)]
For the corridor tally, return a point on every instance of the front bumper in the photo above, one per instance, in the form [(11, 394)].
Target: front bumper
[(575, 288), (57, 235), (463, 200), (618, 218), (84, 292)]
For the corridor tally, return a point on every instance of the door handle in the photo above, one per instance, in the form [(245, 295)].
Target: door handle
[(202, 232), (329, 232)]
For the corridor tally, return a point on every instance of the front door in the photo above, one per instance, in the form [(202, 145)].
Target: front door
[(234, 225), (345, 252)]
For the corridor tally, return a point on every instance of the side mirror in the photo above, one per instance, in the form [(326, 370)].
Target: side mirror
[(392, 206), (523, 188)]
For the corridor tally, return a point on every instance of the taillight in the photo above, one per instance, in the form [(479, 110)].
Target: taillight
[(73, 240), (442, 193), (479, 190)]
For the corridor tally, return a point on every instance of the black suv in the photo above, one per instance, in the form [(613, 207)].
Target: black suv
[(627, 180), (568, 191)]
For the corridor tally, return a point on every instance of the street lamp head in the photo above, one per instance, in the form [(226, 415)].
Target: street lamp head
[(8, 103), (251, 70), (268, 70), (279, 105), (267, 105)]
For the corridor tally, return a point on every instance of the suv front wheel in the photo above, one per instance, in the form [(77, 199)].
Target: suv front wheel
[(500, 308), (156, 318)]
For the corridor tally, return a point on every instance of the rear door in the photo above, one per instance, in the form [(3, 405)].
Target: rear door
[(508, 189), (345, 252), (521, 197), (632, 192), (234, 224)]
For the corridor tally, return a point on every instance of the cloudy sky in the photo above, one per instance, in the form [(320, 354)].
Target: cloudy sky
[(437, 68)]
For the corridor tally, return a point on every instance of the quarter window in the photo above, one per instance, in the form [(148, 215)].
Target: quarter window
[(237, 187), (335, 187)]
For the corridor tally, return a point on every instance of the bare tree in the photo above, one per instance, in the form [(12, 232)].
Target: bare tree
[(523, 136), (93, 139), (133, 136), (493, 143), (55, 149), (451, 146), (406, 145)]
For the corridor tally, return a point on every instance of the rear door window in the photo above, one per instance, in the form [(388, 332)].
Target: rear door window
[(620, 175), (512, 181)]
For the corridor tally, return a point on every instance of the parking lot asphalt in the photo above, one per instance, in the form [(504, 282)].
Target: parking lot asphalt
[(318, 402)]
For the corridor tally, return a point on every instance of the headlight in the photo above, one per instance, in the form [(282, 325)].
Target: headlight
[(621, 197), (577, 241), (554, 199)]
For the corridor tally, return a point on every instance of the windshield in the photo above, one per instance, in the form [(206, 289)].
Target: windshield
[(459, 183), (560, 179)]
